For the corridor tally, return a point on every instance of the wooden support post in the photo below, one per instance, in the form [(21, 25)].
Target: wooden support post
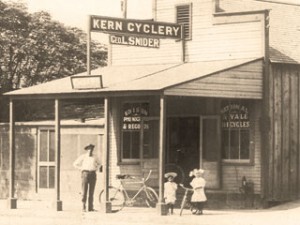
[(12, 201), (183, 44), (267, 133), (88, 47), (161, 206), (107, 205), (58, 202), (124, 8)]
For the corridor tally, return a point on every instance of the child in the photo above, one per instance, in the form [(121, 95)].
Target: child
[(170, 188), (198, 197)]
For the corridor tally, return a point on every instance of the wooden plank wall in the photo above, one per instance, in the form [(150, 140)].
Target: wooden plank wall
[(241, 82), (284, 137), (211, 39)]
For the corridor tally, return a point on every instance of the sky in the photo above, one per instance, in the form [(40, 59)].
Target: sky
[(75, 12)]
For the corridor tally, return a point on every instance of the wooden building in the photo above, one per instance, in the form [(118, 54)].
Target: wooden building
[(34, 146), (214, 99)]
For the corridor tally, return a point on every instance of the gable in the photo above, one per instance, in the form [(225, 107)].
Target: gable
[(244, 81)]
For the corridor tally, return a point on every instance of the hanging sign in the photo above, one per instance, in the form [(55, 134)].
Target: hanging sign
[(135, 27)]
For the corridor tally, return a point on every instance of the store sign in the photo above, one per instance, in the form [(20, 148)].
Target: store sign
[(135, 27), (235, 116), (134, 41), (133, 114)]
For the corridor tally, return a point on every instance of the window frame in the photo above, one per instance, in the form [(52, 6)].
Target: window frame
[(251, 129), (131, 160)]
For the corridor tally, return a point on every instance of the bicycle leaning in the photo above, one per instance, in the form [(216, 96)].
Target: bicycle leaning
[(119, 197), (185, 203)]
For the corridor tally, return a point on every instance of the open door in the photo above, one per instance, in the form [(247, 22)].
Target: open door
[(210, 153)]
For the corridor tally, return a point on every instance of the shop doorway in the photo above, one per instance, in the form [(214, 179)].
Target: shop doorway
[(194, 142), (182, 146)]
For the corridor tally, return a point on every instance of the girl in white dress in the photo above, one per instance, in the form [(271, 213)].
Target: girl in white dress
[(170, 188), (198, 198)]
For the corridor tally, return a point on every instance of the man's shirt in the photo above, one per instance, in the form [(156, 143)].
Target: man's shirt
[(86, 162)]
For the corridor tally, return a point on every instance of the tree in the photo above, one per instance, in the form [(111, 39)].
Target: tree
[(35, 49)]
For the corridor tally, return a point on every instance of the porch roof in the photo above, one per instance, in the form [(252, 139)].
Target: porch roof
[(119, 79)]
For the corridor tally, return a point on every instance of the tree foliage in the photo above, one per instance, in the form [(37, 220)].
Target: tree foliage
[(35, 49)]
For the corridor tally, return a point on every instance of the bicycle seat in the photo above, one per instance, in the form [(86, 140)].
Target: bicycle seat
[(123, 176)]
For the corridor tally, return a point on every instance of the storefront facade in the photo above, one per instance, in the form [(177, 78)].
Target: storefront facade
[(197, 102)]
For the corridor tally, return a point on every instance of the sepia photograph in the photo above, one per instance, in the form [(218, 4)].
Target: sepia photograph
[(139, 112)]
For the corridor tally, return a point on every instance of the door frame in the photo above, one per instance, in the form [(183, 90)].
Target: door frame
[(43, 192), (218, 136)]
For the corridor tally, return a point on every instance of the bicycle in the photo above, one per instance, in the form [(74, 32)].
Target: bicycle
[(174, 167), (185, 203), (118, 196)]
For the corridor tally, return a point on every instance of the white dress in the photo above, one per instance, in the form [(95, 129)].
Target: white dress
[(198, 184), (170, 192)]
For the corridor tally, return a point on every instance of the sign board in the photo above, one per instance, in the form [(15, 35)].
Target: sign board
[(133, 114), (135, 27), (134, 41), (235, 115), (86, 82)]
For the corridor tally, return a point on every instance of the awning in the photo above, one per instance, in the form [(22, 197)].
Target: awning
[(119, 79)]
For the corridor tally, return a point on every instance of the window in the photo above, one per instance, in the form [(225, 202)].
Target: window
[(134, 138), (235, 132), (184, 17)]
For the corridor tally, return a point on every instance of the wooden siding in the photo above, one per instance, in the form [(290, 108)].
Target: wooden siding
[(232, 174), (210, 40), (283, 170), (241, 82)]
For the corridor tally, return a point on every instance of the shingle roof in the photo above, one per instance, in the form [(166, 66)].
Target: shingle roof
[(284, 26), (136, 78)]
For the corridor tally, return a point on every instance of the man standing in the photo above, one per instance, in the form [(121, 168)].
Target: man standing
[(88, 163)]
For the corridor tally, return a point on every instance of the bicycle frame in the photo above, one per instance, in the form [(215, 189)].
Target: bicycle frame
[(184, 199), (129, 200)]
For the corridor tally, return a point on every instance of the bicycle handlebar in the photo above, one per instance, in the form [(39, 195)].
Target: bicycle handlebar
[(147, 178), (185, 188), (126, 176)]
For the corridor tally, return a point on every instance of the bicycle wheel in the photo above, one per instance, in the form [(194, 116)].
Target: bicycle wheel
[(172, 167), (151, 197), (116, 198)]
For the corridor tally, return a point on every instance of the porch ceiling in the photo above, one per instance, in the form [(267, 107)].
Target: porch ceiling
[(120, 79)]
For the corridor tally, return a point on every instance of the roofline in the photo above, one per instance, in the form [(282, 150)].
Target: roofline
[(279, 2), (264, 11), (285, 62), (83, 95)]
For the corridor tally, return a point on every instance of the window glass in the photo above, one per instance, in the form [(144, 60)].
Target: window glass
[(235, 130), (133, 115), (43, 145), (43, 177), (52, 146), (51, 176)]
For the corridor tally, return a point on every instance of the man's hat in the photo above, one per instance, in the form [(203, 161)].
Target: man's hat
[(171, 174), (88, 147)]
